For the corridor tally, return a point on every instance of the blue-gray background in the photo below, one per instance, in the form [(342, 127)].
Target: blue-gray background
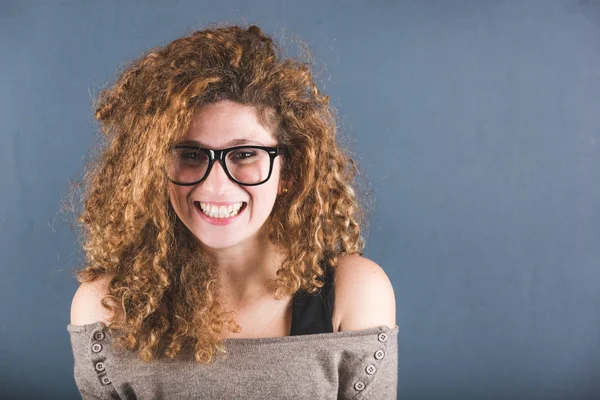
[(476, 123)]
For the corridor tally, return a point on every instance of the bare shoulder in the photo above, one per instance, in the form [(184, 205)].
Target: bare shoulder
[(364, 296), (86, 307)]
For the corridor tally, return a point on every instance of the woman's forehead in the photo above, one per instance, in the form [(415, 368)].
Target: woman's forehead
[(227, 124)]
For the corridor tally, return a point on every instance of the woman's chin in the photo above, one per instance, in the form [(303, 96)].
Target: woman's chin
[(219, 243)]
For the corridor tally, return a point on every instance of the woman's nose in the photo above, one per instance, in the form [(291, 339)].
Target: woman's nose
[(217, 179)]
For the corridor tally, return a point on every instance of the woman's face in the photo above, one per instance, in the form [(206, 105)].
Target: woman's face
[(215, 127)]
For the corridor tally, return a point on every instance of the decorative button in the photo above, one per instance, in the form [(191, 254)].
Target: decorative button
[(99, 335), (383, 337), (359, 385), (99, 366), (379, 354), (96, 347), (105, 380), (371, 369)]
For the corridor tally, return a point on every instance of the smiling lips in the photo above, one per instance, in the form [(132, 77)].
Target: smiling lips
[(222, 211)]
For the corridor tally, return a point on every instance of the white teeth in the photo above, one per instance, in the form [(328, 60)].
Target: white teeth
[(221, 212)]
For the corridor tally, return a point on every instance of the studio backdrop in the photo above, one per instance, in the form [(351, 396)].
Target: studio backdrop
[(475, 122)]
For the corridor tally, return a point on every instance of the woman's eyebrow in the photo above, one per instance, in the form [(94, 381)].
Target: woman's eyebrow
[(234, 142)]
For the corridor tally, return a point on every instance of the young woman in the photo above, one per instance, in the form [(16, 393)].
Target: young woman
[(222, 234)]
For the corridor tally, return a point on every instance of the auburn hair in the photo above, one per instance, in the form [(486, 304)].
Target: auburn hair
[(162, 290)]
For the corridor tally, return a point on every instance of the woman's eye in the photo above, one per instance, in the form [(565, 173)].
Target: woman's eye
[(188, 156), (193, 156), (242, 155)]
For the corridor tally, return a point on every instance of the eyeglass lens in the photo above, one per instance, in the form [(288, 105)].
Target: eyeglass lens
[(246, 165)]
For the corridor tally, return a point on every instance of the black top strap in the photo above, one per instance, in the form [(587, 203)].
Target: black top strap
[(313, 313)]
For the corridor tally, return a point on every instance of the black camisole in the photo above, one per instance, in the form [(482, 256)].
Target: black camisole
[(312, 313)]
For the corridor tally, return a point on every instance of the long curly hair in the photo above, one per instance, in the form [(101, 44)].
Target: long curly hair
[(162, 292)]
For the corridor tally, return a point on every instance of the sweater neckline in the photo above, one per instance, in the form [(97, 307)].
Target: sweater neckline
[(91, 327)]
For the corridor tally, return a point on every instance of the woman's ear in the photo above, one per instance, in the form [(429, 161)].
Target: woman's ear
[(284, 186)]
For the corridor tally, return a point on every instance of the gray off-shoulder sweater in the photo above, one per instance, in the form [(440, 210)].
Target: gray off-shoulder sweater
[(334, 365)]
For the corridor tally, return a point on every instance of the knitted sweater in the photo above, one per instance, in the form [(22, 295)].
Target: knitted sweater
[(334, 365)]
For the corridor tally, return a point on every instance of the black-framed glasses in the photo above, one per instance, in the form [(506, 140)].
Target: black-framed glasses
[(247, 165)]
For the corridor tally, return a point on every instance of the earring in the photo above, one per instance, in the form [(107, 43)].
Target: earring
[(285, 190)]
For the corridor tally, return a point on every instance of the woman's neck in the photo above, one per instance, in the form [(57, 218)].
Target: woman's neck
[(243, 271)]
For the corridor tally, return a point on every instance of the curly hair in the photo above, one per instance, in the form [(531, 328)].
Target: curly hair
[(162, 291)]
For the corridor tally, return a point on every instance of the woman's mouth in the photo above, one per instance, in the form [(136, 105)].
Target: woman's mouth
[(220, 215)]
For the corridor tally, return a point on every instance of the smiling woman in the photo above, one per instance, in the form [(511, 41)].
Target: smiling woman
[(221, 225)]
